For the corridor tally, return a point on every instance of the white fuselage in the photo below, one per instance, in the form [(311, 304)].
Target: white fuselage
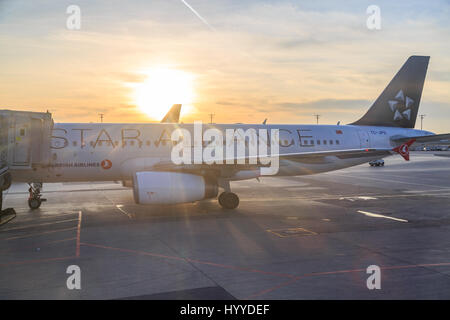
[(106, 152)]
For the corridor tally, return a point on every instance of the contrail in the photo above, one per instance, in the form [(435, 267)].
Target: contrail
[(198, 15)]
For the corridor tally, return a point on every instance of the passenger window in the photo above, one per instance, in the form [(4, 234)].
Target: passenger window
[(337, 141), (331, 141), (311, 142), (318, 142), (324, 141)]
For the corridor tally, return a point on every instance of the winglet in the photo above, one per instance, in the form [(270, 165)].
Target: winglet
[(173, 116), (403, 149)]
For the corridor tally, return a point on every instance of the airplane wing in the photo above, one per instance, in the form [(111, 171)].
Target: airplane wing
[(303, 157), (341, 154), (173, 116), (442, 139)]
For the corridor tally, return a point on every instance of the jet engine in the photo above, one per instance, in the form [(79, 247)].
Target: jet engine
[(171, 187)]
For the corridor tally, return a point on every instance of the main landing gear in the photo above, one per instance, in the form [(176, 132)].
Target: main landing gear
[(35, 200), (228, 199)]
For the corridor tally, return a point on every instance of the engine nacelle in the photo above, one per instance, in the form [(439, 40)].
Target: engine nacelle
[(153, 187)]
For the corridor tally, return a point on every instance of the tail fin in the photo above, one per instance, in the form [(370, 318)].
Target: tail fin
[(173, 116), (398, 105)]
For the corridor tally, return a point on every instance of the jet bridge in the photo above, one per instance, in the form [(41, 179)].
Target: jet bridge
[(24, 138), (24, 144)]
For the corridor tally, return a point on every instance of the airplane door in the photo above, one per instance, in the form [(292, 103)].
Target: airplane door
[(22, 136), (364, 139)]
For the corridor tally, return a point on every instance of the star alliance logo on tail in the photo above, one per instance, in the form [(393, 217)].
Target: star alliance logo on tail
[(401, 106)]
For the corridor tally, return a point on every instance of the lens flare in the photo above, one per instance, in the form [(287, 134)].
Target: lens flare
[(163, 88)]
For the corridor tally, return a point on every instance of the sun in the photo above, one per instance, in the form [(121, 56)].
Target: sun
[(162, 88)]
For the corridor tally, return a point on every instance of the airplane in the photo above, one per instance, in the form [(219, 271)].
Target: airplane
[(173, 116), (140, 154)]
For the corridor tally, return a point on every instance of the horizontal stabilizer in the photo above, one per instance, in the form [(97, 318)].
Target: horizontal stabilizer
[(309, 157), (432, 139)]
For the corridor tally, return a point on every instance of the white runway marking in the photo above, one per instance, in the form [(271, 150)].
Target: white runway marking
[(386, 180), (304, 188), (279, 182), (119, 207), (424, 191), (329, 197), (376, 215), (357, 198)]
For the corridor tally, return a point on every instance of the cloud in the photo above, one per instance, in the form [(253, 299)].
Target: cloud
[(281, 60)]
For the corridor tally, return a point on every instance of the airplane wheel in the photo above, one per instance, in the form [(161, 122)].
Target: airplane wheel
[(34, 203), (228, 200)]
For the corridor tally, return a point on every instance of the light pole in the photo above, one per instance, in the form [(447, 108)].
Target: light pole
[(317, 118), (421, 120)]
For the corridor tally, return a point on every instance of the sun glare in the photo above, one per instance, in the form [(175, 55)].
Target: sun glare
[(163, 88)]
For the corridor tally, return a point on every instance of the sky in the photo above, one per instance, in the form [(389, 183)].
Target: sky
[(242, 61)]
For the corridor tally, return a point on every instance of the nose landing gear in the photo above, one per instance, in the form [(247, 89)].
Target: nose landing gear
[(35, 200)]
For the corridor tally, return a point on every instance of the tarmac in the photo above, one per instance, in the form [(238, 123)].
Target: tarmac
[(308, 237)]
